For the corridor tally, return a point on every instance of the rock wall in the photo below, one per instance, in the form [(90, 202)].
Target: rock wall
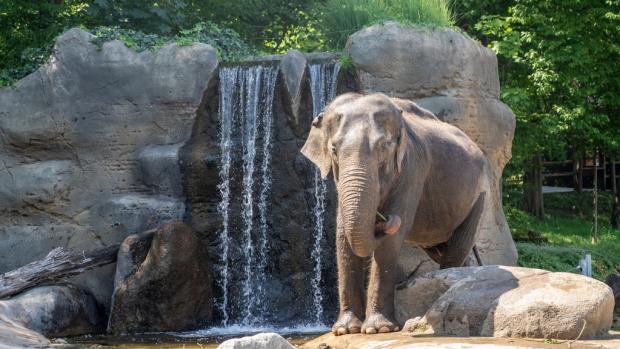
[(89, 144), (455, 78)]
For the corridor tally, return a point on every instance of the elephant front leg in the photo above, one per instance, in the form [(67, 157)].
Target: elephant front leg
[(350, 287), (380, 301)]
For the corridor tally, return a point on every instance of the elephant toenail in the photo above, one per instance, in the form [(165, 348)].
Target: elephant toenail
[(354, 330), (341, 331), (384, 329), (396, 329), (371, 330)]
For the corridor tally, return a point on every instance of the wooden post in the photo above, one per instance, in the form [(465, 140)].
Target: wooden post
[(614, 185), (595, 201), (540, 186), (575, 173), (580, 175), (604, 183), (615, 211)]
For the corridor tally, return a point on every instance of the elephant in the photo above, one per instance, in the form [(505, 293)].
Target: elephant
[(390, 155)]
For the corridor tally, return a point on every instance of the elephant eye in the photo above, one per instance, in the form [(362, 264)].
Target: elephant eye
[(334, 150)]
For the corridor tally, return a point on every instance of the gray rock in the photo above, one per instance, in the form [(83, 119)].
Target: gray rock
[(89, 147), (496, 301), (162, 283), (455, 78), (160, 169), (59, 310), (259, 341), (412, 62), (16, 336)]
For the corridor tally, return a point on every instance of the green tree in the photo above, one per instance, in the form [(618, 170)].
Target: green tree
[(559, 72), (28, 27)]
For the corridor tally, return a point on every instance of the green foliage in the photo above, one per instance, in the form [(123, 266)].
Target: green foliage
[(341, 18), (557, 74), (226, 41), (346, 63), (135, 40), (27, 31), (567, 227)]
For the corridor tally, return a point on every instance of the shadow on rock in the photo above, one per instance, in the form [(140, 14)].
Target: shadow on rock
[(162, 282)]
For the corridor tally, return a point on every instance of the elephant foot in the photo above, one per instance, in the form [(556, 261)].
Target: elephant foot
[(347, 323), (378, 323)]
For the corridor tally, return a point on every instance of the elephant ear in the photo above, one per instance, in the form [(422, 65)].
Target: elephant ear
[(403, 141), (315, 148)]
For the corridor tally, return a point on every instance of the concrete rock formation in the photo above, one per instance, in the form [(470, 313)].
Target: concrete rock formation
[(494, 301), (455, 78), (89, 147), (161, 283), (259, 341), (59, 310)]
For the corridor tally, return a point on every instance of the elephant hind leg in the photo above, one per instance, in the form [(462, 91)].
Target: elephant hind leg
[(454, 252)]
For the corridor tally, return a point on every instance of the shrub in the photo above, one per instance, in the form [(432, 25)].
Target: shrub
[(341, 18), (227, 42)]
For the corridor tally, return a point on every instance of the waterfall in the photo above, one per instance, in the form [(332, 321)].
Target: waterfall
[(227, 80), (245, 112), (323, 79)]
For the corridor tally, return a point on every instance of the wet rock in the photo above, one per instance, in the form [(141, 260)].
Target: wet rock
[(59, 310), (456, 78), (496, 301), (259, 341), (162, 283)]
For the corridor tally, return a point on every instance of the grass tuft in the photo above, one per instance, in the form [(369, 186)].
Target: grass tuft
[(341, 18)]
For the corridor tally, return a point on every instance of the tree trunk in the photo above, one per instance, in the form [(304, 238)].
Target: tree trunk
[(595, 201), (59, 264), (615, 212), (580, 175), (532, 188)]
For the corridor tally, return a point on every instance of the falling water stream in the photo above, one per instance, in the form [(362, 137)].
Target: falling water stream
[(323, 79), (245, 110), (246, 98)]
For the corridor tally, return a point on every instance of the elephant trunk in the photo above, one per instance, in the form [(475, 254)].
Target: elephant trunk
[(358, 194)]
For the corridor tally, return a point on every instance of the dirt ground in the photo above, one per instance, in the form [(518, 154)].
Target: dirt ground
[(401, 340)]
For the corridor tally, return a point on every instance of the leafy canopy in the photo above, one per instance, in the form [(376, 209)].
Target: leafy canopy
[(558, 66)]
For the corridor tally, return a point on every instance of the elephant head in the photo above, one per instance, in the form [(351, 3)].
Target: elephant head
[(363, 140)]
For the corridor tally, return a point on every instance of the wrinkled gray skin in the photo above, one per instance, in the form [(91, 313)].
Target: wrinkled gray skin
[(391, 156)]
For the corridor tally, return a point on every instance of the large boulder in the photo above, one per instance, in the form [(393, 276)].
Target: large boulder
[(162, 282), (259, 341), (497, 301), (456, 78), (59, 310), (89, 147)]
